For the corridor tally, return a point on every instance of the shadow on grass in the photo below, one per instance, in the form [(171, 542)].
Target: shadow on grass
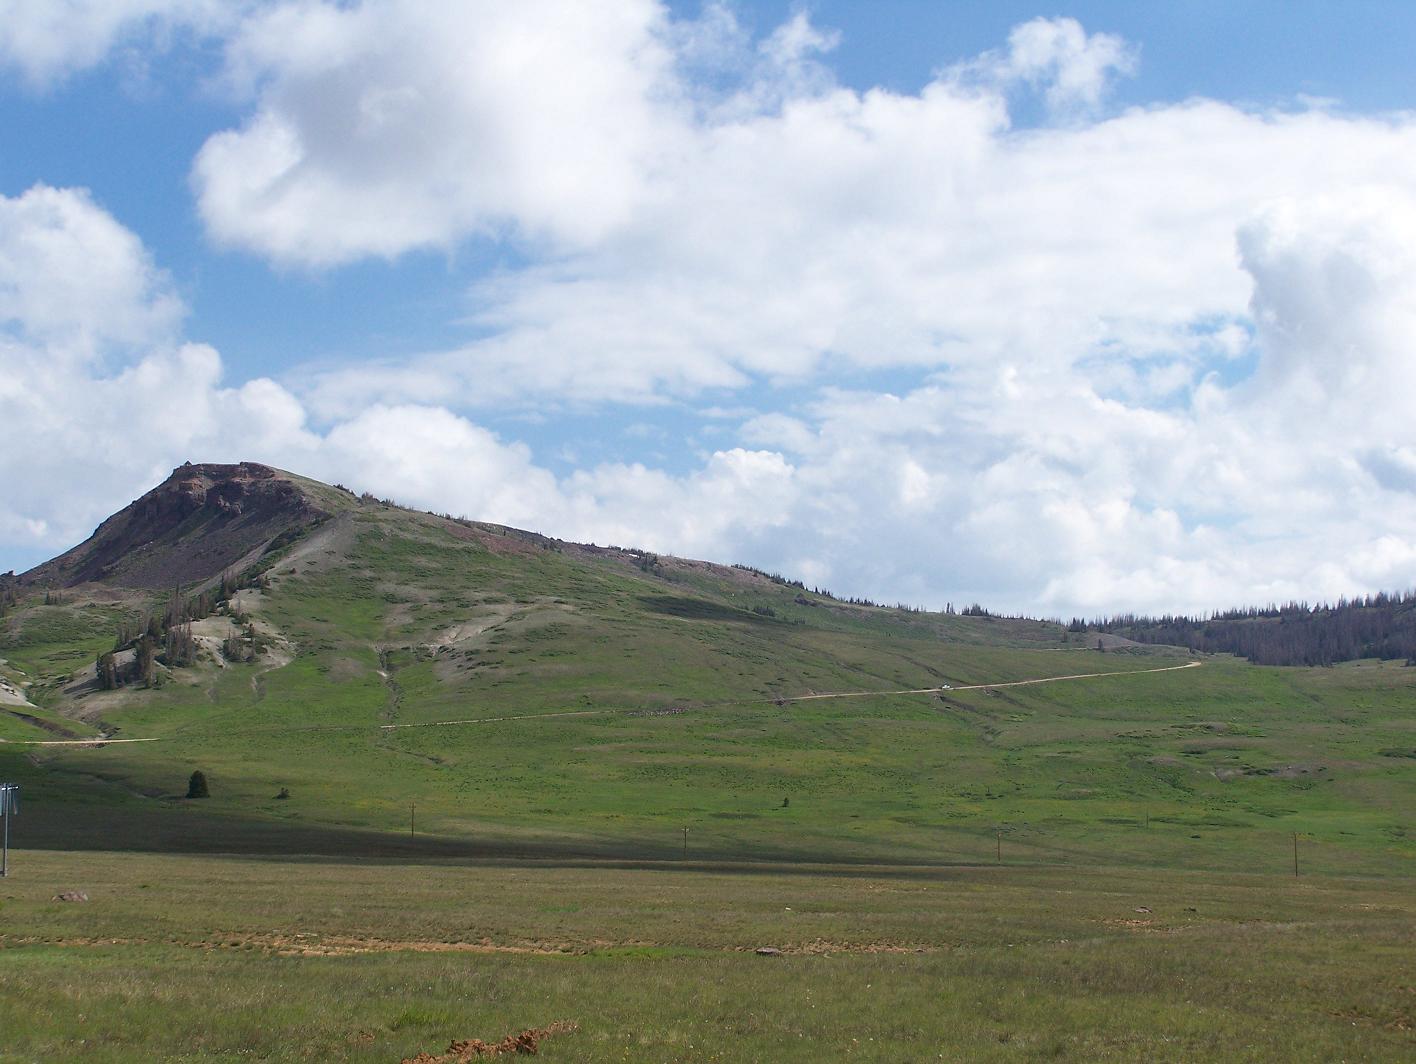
[(95, 815), (184, 829), (698, 609)]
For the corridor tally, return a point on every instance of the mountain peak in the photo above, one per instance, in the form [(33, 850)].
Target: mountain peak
[(203, 519)]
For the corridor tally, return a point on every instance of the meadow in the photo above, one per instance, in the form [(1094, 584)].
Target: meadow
[(530, 783), (177, 958)]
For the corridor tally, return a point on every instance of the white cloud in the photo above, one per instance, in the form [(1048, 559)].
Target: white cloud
[(392, 125), (1295, 483), (1394, 468), (48, 40), (871, 231), (1072, 68), (1335, 305), (81, 435), (737, 496), (74, 280), (1162, 357), (97, 390), (783, 229), (430, 457), (1018, 485)]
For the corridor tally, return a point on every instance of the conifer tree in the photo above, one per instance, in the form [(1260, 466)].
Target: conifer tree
[(145, 662), (107, 669)]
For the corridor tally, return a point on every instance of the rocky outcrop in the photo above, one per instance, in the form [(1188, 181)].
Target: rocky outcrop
[(199, 522)]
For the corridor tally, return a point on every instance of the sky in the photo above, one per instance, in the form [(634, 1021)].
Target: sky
[(1065, 311)]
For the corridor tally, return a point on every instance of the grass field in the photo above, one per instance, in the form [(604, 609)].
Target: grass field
[(641, 787), (182, 958), (1211, 767)]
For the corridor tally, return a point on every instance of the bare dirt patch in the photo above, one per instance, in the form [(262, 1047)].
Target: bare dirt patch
[(12, 694), (276, 650), (1280, 772), (301, 944), (821, 948), (1400, 1023), (469, 630), (321, 549), (460, 1052), (41, 940), (211, 632), (311, 944)]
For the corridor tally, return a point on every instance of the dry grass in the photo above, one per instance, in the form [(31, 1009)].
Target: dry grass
[(369, 961)]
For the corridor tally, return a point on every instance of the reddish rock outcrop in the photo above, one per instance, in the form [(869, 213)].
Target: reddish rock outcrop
[(200, 521)]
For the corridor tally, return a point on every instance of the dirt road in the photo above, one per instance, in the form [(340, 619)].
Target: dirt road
[(103, 741)]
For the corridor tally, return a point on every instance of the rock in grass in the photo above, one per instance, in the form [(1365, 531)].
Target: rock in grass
[(71, 895), (768, 951)]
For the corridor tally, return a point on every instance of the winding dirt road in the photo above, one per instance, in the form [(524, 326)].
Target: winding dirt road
[(100, 741)]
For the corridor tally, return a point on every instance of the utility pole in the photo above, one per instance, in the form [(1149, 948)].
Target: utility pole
[(998, 837), (412, 817), (1295, 853), (685, 843), (9, 805)]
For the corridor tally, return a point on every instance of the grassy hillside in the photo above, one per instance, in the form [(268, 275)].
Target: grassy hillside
[(531, 783), (605, 700)]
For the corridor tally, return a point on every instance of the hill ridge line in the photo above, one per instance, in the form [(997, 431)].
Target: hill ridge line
[(606, 712)]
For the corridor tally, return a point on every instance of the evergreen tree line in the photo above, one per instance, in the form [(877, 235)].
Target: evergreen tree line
[(1296, 633), (165, 637), (850, 600)]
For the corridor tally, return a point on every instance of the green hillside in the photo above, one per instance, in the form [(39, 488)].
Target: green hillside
[(542, 698), (469, 782)]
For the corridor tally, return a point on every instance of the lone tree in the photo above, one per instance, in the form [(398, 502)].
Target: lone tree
[(197, 785), (106, 669)]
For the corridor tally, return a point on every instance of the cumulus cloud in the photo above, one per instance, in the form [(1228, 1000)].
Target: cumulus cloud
[(1293, 483), (705, 235), (1155, 359), (860, 231), (99, 403), (395, 124), (97, 388), (1020, 486), (1334, 305), (432, 457), (1072, 68), (75, 281), (47, 40)]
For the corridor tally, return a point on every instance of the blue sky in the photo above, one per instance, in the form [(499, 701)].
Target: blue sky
[(1065, 310)]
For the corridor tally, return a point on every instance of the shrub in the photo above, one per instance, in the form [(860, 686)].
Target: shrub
[(197, 785)]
